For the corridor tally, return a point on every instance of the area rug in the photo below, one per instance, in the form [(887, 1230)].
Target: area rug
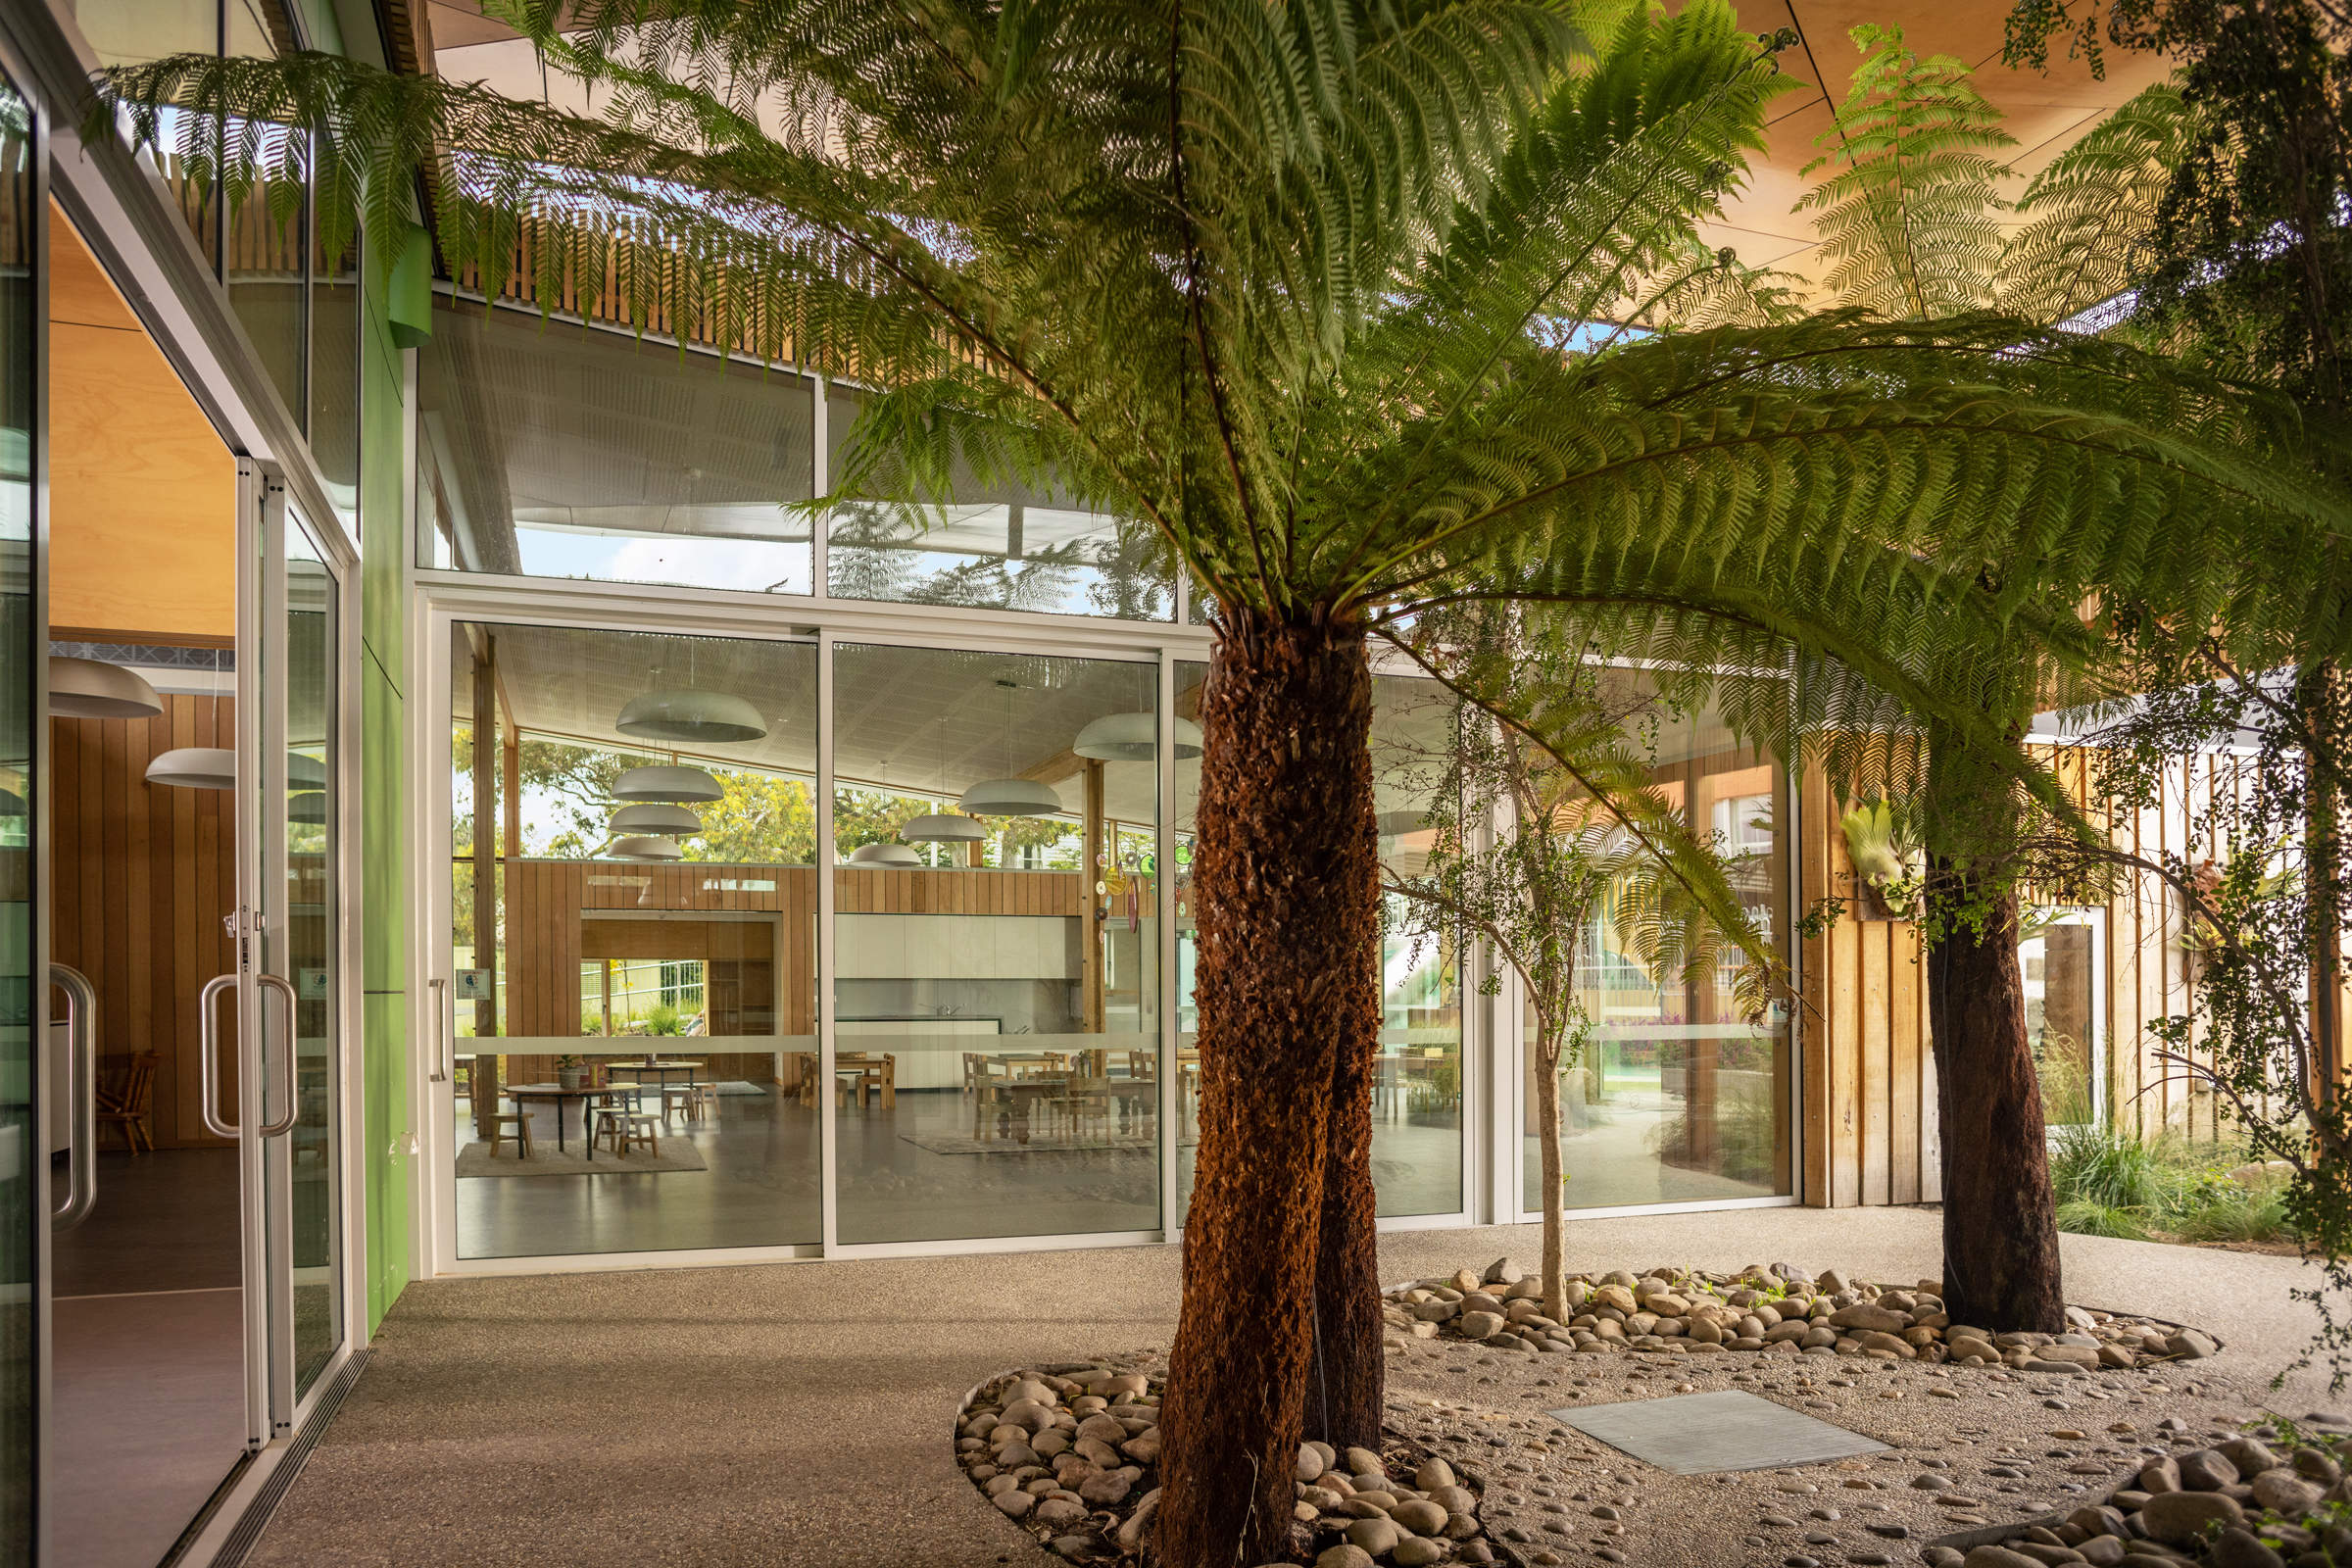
[(736, 1086), (670, 1154), (945, 1144)]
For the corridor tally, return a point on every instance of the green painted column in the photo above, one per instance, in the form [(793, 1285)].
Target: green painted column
[(388, 1120)]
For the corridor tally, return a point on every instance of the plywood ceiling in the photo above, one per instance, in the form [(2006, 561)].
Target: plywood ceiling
[(2045, 112), (142, 491)]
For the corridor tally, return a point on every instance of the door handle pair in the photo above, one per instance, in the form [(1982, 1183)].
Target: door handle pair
[(209, 1038)]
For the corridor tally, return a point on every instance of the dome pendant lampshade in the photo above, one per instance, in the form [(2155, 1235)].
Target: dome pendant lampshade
[(709, 717), (92, 688), (307, 806), (940, 828), (643, 847), (1132, 738), (649, 817), (884, 854), (683, 785), (195, 767), (1010, 797)]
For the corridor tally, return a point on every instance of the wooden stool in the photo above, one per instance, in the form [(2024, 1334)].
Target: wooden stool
[(633, 1129), (520, 1136), (685, 1097), (706, 1096)]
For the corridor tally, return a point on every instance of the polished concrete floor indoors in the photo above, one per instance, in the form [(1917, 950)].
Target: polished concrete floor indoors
[(908, 1172)]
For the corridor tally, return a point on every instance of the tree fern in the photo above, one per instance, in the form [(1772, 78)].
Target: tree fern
[(2091, 215), (1909, 212)]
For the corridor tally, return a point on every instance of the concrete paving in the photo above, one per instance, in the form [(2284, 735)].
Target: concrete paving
[(800, 1412)]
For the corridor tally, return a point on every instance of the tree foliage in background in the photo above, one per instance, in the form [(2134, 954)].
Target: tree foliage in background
[(1296, 286)]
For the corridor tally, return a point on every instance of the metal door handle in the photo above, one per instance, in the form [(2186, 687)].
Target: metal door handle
[(208, 1038), (446, 1057), (280, 983), (81, 1038)]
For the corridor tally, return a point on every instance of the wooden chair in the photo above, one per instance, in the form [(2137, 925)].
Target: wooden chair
[(122, 1104), (686, 1098), (984, 1081), (498, 1121), (1088, 1101)]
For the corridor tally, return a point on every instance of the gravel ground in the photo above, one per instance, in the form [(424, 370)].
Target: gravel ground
[(802, 1414)]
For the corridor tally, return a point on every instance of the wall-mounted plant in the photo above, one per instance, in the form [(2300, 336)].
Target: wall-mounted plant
[(1890, 862)]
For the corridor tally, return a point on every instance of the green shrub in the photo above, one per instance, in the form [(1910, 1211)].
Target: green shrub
[(2087, 1218)]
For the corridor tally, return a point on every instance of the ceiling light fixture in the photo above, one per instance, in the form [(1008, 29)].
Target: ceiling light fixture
[(195, 767), (685, 786), (1133, 738), (645, 847), (648, 816), (708, 717), (1009, 795), (93, 688), (884, 854)]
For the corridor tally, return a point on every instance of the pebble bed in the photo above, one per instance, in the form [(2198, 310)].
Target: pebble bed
[(1982, 1449), (1780, 1309), (1072, 1454), (2275, 1497)]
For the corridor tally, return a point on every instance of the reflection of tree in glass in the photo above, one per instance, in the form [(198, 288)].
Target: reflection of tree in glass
[(872, 553)]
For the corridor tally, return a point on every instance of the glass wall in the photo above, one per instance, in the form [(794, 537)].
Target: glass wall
[(995, 930), (997, 545), (1676, 1099), (1418, 1084), (566, 450), (633, 915)]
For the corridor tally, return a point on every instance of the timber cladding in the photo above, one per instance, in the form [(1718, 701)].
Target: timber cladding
[(1869, 1099), (141, 876)]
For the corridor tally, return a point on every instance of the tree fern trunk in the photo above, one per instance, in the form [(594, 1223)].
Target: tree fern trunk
[(1347, 1383), (2000, 1224), (1286, 895)]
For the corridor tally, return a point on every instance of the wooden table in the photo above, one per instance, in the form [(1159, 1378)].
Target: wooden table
[(662, 1069), (559, 1096)]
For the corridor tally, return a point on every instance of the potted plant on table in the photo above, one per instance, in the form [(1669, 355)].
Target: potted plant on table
[(570, 1071)]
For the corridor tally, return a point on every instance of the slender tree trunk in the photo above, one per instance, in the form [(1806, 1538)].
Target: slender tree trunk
[(1555, 1203), (2000, 1224), (1347, 1386), (1287, 896)]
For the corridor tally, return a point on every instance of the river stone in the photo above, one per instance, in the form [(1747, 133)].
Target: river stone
[(1138, 1528), (1415, 1552), (1503, 1271), (1106, 1488), (1990, 1556), (1868, 1315), (2179, 1518), (2237, 1548), (2282, 1491), (1420, 1516), (1432, 1474), (1364, 1462), (1347, 1554), (1015, 1503), (2102, 1551), (2251, 1456), (1376, 1536), (1058, 1513), (2160, 1475), (2191, 1346), (2206, 1470), (1480, 1325), (1033, 1390), (1310, 1465)]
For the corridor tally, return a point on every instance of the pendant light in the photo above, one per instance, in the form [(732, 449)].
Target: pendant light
[(307, 806), (884, 854), (1133, 738), (652, 817), (645, 847), (1008, 796), (707, 717), (684, 786), (1396, 824), (93, 688), (195, 767)]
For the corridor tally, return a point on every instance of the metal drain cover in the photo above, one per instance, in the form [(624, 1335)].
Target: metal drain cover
[(1698, 1434)]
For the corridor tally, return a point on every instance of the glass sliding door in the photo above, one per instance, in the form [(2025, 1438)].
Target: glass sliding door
[(633, 941), (299, 809), (22, 1000), (1676, 1097), (996, 1038)]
